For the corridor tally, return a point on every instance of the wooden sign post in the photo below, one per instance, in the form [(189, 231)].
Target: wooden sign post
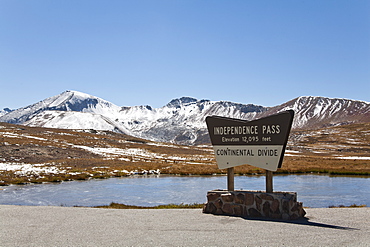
[(259, 143), (230, 179), (269, 186)]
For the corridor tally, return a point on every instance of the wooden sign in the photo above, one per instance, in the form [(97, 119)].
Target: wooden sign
[(259, 143)]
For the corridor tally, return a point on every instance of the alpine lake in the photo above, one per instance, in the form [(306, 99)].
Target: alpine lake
[(316, 191)]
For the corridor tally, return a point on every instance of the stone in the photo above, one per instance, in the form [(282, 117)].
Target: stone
[(275, 216), (278, 205), (238, 210), (285, 216), (219, 211), (266, 197), (258, 207), (218, 203), (258, 202), (210, 208), (275, 206), (294, 208), (286, 206), (240, 198), (227, 197), (258, 199), (302, 213), (254, 213), (266, 209), (205, 208), (212, 196), (249, 199), (294, 217), (228, 209), (290, 196)]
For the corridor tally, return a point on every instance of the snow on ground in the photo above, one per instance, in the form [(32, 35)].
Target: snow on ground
[(159, 144), (15, 135), (288, 154), (353, 158), (111, 152), (137, 154), (292, 153), (26, 169)]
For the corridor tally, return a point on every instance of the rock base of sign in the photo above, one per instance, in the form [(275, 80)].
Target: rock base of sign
[(254, 204)]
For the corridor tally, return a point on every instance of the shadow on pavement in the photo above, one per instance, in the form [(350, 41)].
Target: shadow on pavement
[(302, 221), (307, 222)]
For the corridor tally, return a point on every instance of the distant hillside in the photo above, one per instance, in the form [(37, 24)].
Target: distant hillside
[(36, 154)]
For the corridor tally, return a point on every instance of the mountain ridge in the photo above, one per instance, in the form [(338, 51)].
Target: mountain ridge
[(181, 120)]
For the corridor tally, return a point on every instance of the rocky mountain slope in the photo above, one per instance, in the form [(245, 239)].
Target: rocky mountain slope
[(316, 112), (182, 120)]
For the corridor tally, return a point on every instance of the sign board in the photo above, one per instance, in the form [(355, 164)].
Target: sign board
[(259, 143)]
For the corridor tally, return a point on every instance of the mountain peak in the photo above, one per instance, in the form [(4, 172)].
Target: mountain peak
[(78, 94), (66, 101), (5, 111), (181, 101)]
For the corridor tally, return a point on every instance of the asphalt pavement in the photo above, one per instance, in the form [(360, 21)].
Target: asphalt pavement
[(75, 226)]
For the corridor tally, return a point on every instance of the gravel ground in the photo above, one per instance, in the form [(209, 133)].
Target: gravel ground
[(70, 226)]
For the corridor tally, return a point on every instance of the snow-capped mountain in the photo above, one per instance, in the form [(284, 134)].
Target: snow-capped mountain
[(315, 112), (4, 111), (66, 101), (181, 120)]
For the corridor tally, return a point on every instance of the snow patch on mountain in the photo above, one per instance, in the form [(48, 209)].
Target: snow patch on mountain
[(182, 120), (73, 120), (4, 111), (315, 112)]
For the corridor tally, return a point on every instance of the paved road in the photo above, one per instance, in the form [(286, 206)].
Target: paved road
[(68, 226)]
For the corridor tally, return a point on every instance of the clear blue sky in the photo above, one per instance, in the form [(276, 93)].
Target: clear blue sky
[(147, 52)]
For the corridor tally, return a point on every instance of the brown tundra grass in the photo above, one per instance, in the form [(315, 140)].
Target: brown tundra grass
[(62, 149)]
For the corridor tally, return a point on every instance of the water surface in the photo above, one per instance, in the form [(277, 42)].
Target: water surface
[(313, 190)]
